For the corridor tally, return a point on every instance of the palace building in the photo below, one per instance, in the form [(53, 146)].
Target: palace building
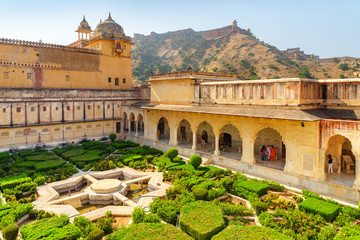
[(54, 94)]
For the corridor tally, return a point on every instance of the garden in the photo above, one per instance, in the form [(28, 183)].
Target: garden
[(204, 202)]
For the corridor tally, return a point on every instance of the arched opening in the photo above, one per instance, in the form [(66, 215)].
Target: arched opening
[(205, 137), (163, 130), (269, 149), (125, 123), (184, 134), (230, 142), (140, 123), (132, 124), (343, 161)]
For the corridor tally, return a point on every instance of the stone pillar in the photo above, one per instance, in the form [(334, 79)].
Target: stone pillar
[(357, 172), (217, 152), (129, 126), (322, 161), (173, 136), (137, 128), (194, 141)]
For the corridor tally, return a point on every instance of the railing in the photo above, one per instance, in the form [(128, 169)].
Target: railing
[(47, 45), (31, 64), (192, 73)]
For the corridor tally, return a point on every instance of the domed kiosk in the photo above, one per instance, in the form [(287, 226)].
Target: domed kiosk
[(109, 29)]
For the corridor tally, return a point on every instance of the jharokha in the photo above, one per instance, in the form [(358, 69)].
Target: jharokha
[(53, 94)]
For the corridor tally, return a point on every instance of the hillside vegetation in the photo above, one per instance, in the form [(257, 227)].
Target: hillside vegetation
[(238, 53)]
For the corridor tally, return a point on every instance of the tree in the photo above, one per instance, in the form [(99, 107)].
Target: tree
[(344, 66), (112, 137)]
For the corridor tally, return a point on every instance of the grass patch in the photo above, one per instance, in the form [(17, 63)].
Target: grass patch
[(201, 220), (254, 186), (49, 164), (253, 232), (150, 231), (328, 211)]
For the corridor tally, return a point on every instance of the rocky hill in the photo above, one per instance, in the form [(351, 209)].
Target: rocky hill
[(231, 50)]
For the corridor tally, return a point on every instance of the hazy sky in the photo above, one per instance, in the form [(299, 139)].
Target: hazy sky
[(327, 28)]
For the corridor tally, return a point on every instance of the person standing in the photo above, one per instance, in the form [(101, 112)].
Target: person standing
[(272, 153), (330, 161), (268, 151), (263, 153)]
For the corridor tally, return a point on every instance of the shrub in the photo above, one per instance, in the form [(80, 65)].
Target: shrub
[(344, 66), (105, 224), (39, 180), (138, 214), (195, 160), (327, 210), (254, 186), (11, 232), (112, 137), (13, 181), (201, 220), (25, 187), (150, 231), (341, 76), (350, 231), (168, 214), (171, 153), (96, 234), (84, 224), (200, 193), (259, 207), (234, 210), (151, 218)]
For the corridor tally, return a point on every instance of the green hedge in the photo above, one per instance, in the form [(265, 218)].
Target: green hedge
[(328, 211), (13, 181), (254, 186), (72, 153), (252, 232), (201, 220), (29, 164), (49, 164), (11, 232), (149, 231), (42, 157), (51, 228), (124, 144), (94, 145), (89, 156)]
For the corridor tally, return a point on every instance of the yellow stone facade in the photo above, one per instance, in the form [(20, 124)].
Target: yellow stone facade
[(56, 94)]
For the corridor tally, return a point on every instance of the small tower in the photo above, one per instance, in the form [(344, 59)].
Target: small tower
[(234, 25), (84, 28)]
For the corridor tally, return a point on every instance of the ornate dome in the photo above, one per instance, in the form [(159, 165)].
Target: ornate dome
[(109, 28), (84, 25)]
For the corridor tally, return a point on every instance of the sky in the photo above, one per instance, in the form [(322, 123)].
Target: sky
[(328, 28)]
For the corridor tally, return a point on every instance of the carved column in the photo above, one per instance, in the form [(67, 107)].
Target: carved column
[(216, 151), (194, 141), (137, 128)]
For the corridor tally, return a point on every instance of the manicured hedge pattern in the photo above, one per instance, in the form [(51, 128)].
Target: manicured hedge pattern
[(254, 186), (49, 164), (201, 220), (53, 228), (89, 156), (13, 181), (249, 233), (72, 153), (42, 157), (327, 210), (150, 231)]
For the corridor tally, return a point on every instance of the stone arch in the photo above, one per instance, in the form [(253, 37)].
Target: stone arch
[(268, 137), (184, 134), (230, 141), (163, 130), (344, 163), (205, 137), (132, 127), (140, 124)]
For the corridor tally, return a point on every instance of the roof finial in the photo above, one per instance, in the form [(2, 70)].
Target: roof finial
[(109, 18), (84, 18)]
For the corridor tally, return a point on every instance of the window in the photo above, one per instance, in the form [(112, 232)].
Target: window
[(6, 75), (67, 78), (116, 81), (68, 108), (89, 107), (44, 109), (57, 130), (28, 76), (124, 80), (109, 79), (56, 108), (45, 130), (18, 109), (4, 110), (78, 107), (68, 128), (108, 106), (98, 106), (32, 109)]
